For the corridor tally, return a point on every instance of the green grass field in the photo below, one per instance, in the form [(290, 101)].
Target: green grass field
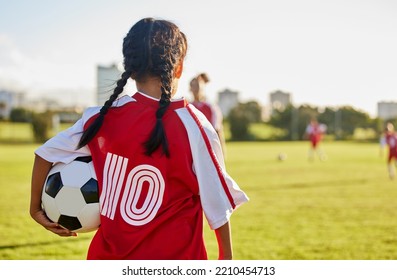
[(343, 208)]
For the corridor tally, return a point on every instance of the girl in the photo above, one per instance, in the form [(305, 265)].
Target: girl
[(391, 142), (158, 160), (212, 112)]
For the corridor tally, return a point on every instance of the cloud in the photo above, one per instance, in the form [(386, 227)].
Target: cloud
[(53, 76), (9, 54), (50, 70)]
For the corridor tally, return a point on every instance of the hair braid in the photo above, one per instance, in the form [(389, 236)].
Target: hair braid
[(151, 48), (93, 129), (158, 136), (167, 48)]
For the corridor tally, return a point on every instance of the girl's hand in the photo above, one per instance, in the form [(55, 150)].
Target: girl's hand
[(40, 217), (40, 171)]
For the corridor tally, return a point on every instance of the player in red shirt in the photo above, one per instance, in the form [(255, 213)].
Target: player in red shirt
[(314, 132), (391, 142), (211, 111), (158, 160)]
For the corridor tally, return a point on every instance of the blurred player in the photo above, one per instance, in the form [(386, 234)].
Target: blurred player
[(391, 142), (314, 132), (382, 143), (210, 111)]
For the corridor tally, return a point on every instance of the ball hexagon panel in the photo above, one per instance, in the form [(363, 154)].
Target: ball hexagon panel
[(69, 201), (71, 223), (50, 207), (56, 168), (90, 191), (92, 170), (89, 218), (85, 159), (76, 173), (54, 184)]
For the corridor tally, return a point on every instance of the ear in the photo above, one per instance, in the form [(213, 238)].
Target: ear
[(179, 70)]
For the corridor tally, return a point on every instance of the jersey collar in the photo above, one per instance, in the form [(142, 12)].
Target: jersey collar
[(151, 101)]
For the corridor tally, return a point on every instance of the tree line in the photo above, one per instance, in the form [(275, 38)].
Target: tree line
[(341, 122)]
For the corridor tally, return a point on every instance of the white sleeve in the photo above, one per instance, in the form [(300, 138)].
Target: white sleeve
[(63, 146), (219, 193)]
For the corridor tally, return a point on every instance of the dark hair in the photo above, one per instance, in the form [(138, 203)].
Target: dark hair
[(152, 48), (202, 76)]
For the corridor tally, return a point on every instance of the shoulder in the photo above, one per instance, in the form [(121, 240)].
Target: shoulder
[(208, 105), (201, 104), (196, 122), (197, 114), (94, 110)]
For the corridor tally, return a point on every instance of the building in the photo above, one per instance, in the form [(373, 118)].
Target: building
[(107, 77), (227, 100), (279, 100), (8, 101), (387, 110)]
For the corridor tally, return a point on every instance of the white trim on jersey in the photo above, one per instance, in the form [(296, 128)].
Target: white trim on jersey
[(219, 193), (158, 99)]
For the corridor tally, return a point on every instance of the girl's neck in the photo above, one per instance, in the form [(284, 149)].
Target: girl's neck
[(150, 87)]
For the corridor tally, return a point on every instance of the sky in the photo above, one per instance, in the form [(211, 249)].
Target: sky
[(325, 53)]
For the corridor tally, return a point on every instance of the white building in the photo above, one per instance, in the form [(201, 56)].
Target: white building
[(227, 100), (8, 101), (387, 110), (279, 100), (107, 77)]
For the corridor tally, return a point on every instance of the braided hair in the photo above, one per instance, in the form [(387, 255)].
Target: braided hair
[(152, 48)]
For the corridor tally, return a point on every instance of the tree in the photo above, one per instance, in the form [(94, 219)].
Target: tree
[(341, 122), (348, 119), (20, 115), (252, 110), (282, 119), (293, 120), (41, 124), (239, 120)]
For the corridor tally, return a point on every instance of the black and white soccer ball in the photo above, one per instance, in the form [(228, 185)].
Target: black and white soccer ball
[(282, 157), (70, 195)]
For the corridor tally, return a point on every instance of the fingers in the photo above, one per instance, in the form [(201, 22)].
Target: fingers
[(41, 218), (55, 228)]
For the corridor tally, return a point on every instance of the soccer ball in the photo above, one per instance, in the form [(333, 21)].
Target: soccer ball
[(282, 156), (70, 195)]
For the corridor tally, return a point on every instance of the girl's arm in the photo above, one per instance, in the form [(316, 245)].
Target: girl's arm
[(223, 236), (41, 167)]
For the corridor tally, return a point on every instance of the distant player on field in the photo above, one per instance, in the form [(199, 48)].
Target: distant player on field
[(158, 160), (211, 111), (314, 133), (391, 142), (382, 143)]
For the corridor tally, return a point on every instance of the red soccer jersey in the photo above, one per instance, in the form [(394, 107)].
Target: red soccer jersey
[(315, 134), (391, 141), (206, 109), (160, 215), (151, 206)]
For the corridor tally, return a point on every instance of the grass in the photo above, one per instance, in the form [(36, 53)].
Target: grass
[(17, 133), (259, 131), (342, 208)]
